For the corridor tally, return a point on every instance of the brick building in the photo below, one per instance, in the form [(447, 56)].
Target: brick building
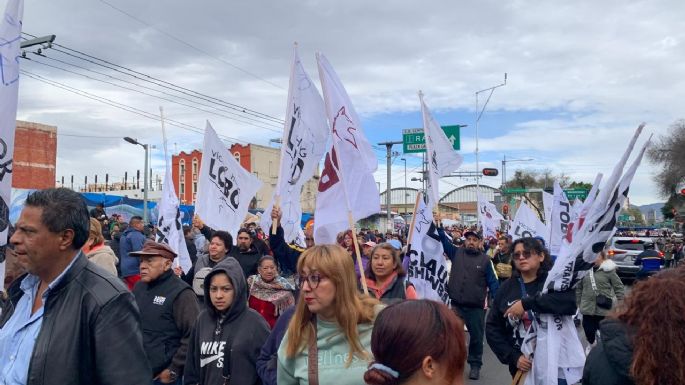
[(262, 161), (35, 156)]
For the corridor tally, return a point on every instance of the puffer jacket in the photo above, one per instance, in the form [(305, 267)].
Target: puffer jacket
[(608, 284), (609, 362)]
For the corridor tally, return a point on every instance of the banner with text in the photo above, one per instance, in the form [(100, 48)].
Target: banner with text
[(225, 188)]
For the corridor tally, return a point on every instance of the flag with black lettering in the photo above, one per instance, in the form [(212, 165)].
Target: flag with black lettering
[(169, 226), (304, 143), (557, 346), (442, 158), (428, 270), (560, 218), (347, 184), (526, 224), (225, 188), (10, 52), (490, 219)]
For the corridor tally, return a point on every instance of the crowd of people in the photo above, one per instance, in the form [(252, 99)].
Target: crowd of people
[(90, 299)]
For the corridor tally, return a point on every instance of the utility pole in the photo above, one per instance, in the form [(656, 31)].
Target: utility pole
[(388, 147), (479, 114)]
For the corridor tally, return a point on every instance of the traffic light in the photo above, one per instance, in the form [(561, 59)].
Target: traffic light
[(490, 172)]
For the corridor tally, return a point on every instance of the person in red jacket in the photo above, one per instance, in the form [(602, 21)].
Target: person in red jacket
[(270, 294)]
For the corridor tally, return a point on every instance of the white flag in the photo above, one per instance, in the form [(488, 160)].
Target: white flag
[(490, 219), (558, 347), (442, 158), (427, 267), (526, 224), (304, 143), (225, 188), (561, 216), (169, 226), (10, 52), (347, 182)]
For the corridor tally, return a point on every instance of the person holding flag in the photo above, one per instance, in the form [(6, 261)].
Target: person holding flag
[(519, 301), (471, 276)]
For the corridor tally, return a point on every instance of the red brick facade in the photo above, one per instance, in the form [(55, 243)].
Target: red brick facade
[(185, 168), (35, 156)]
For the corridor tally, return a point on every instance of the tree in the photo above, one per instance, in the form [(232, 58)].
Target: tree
[(668, 151), (543, 179)]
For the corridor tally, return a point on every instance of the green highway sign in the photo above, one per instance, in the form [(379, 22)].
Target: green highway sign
[(414, 140), (515, 190), (576, 193)]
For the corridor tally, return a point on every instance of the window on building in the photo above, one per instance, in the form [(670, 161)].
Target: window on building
[(236, 155), (194, 166), (182, 190), (194, 187), (182, 167)]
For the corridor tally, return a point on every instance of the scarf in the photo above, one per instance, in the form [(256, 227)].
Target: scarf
[(278, 292)]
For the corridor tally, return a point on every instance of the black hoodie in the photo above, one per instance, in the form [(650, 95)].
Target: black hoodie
[(246, 328), (609, 362)]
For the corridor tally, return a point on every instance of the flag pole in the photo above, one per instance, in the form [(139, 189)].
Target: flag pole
[(413, 218), (286, 132), (350, 216), (177, 261)]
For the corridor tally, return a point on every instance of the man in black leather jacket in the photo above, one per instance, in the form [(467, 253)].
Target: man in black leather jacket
[(70, 322)]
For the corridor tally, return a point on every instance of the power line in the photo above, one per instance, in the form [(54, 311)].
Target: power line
[(169, 35), (144, 93), (121, 106), (158, 82)]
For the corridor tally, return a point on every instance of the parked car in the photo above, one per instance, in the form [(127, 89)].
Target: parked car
[(624, 250)]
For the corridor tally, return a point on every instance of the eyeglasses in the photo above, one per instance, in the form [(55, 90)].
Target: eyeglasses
[(525, 255), (313, 280)]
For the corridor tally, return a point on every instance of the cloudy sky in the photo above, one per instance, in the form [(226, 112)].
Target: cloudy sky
[(581, 76)]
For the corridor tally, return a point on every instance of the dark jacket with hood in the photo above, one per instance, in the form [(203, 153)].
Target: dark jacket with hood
[(609, 362), (226, 342)]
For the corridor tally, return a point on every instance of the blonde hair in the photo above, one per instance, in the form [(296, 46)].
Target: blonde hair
[(95, 232), (351, 307)]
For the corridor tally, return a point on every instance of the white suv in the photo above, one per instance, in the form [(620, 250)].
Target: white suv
[(624, 250)]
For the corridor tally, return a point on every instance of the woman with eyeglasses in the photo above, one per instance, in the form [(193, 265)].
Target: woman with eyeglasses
[(270, 294), (519, 301), (329, 337)]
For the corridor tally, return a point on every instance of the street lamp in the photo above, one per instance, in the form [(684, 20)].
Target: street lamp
[(145, 175), (479, 114), (504, 168), (405, 184)]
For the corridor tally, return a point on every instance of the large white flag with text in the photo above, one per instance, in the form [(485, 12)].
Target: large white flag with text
[(10, 52), (490, 219), (526, 224), (427, 267), (347, 182), (557, 347), (169, 226), (225, 188), (303, 145), (441, 156)]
